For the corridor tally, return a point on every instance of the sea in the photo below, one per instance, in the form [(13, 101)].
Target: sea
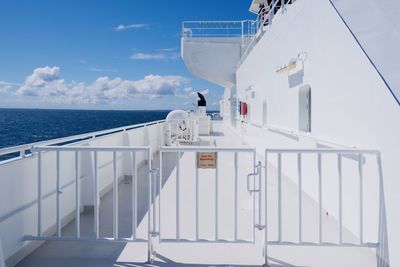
[(23, 126)]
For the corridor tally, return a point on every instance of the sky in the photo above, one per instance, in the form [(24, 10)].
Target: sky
[(98, 54)]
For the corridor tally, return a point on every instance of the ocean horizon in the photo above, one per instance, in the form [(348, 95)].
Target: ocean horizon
[(28, 125)]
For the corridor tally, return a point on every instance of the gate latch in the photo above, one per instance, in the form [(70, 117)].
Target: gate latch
[(254, 174)]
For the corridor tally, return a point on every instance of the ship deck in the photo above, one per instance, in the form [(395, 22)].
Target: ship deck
[(208, 252)]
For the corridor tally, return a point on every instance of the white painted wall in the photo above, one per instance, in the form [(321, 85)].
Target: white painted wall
[(350, 103), (18, 179)]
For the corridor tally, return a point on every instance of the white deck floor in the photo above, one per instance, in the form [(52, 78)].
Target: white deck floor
[(71, 253)]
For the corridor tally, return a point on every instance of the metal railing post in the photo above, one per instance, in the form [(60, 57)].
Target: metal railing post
[(149, 242), (280, 197), (266, 209), (360, 170), (197, 194), (320, 196), (178, 158), (134, 195), (96, 196), (216, 196), (340, 172), (299, 169), (236, 194), (115, 197), (77, 196), (39, 210), (58, 192)]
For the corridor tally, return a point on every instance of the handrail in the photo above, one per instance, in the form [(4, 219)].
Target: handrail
[(71, 139)]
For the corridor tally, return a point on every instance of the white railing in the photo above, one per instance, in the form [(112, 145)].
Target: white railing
[(77, 150), (22, 151), (178, 151), (358, 155), (212, 29)]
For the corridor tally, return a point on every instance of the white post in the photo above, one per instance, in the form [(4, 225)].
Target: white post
[(236, 194), (58, 192), (115, 196), (177, 194), (2, 258), (134, 196), (279, 197), (39, 211), (299, 167), (216, 196), (340, 199), (320, 196), (96, 197), (360, 170), (159, 197), (266, 209), (197, 195), (77, 196)]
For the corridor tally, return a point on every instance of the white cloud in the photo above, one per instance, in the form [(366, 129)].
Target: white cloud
[(204, 92), (6, 87), (162, 54), (123, 27), (46, 83), (93, 69), (144, 56)]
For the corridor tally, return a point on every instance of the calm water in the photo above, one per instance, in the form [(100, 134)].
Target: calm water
[(22, 126)]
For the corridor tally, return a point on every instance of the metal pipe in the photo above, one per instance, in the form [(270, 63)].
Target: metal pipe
[(77, 197), (178, 158), (299, 169), (115, 196), (96, 197), (134, 195), (58, 219), (320, 196), (340, 171), (159, 196), (360, 170), (279, 197), (323, 150), (266, 210), (206, 149), (216, 197), (236, 194), (197, 195), (39, 211)]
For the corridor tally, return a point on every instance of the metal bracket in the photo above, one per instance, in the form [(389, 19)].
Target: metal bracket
[(256, 173)]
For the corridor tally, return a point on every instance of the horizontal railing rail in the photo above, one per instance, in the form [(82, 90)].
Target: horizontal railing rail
[(22, 151)]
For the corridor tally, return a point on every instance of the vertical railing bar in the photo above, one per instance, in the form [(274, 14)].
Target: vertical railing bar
[(254, 197), (381, 205), (177, 194), (216, 195), (236, 195), (96, 197), (77, 196), (39, 211), (320, 196), (299, 168), (340, 171), (154, 186), (266, 209), (149, 230), (279, 197), (134, 195), (58, 195), (197, 194), (360, 170), (159, 196), (115, 197)]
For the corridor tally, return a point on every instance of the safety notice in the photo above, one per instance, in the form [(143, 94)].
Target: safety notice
[(207, 160)]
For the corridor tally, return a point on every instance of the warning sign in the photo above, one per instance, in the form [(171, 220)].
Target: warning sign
[(207, 160)]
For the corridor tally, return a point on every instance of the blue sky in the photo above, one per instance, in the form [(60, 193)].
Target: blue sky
[(89, 54)]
